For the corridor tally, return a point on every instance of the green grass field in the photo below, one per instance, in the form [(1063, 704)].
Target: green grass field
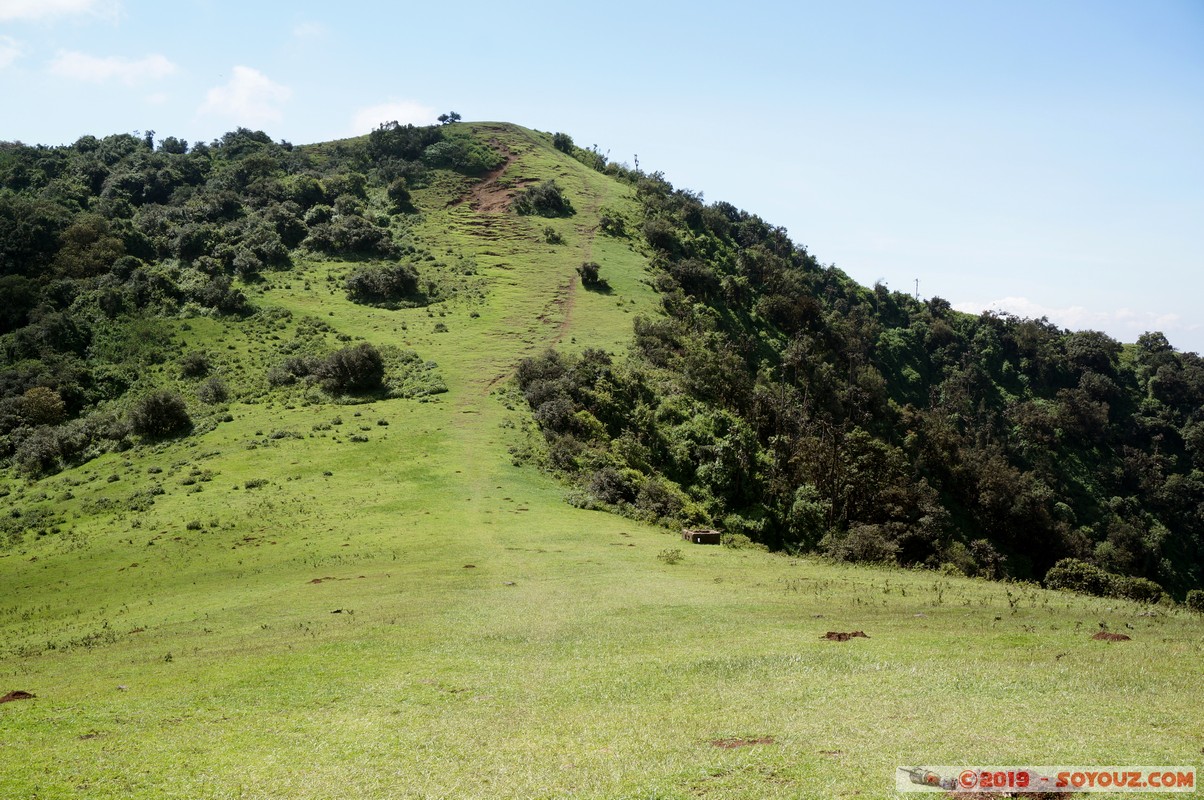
[(410, 614)]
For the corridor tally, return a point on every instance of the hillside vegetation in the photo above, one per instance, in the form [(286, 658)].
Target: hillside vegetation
[(288, 434)]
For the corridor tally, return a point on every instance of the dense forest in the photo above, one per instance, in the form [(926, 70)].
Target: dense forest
[(775, 398), (787, 404)]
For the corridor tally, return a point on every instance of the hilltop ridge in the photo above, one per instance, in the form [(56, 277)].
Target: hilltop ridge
[(329, 471)]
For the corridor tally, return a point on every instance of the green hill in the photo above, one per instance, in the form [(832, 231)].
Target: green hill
[(334, 557)]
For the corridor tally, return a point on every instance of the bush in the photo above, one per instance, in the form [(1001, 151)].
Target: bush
[(39, 453), (563, 142), (351, 370), (545, 200), (382, 285), (1079, 576), (862, 543), (160, 415), (1142, 590), (615, 486), (1195, 600), (612, 224), (194, 364), (399, 195), (213, 391), (590, 275), (658, 499), (670, 556), (349, 234), (462, 154), (43, 406)]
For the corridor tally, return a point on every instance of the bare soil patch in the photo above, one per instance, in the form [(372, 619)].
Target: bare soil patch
[(1105, 636), (489, 195), (838, 636), (729, 744), (17, 695)]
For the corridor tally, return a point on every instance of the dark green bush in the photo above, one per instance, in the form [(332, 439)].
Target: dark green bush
[(1079, 576), (591, 278), (160, 415), (1195, 600), (563, 142), (382, 285), (462, 154), (194, 364), (862, 543), (614, 486), (213, 391), (350, 234), (543, 199), (352, 370), (1141, 590), (399, 195)]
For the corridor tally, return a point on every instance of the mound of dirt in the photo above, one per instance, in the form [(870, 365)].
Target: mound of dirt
[(1105, 636), (728, 744), (837, 636), (17, 695)]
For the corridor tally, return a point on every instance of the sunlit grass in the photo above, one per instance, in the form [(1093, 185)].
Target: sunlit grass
[(415, 616)]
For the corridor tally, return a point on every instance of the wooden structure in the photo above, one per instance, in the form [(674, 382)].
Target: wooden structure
[(701, 536)]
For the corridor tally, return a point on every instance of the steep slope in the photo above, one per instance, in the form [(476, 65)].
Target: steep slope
[(386, 597)]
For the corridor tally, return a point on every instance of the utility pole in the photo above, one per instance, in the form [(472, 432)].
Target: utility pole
[(917, 290)]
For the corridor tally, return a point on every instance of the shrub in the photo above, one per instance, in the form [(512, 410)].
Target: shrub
[(43, 406), (1141, 590), (1195, 600), (1079, 576), (349, 234), (39, 453), (862, 543), (612, 225), (659, 499), (670, 556), (160, 415), (545, 200), (194, 364), (382, 285), (551, 236), (739, 541), (661, 235), (590, 275), (462, 154), (563, 142), (614, 486), (213, 391), (352, 369), (399, 195)]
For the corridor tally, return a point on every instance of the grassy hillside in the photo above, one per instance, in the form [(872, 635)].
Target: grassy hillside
[(388, 598)]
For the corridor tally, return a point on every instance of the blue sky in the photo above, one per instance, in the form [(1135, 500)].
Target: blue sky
[(1042, 158)]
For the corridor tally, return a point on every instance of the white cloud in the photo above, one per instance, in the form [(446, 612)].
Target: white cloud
[(83, 67), (249, 97), (48, 9), (10, 51), (1122, 323), (405, 112)]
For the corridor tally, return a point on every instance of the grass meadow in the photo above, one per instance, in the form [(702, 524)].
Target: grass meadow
[(387, 599)]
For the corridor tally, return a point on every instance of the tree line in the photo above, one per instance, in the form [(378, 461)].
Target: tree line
[(781, 400)]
